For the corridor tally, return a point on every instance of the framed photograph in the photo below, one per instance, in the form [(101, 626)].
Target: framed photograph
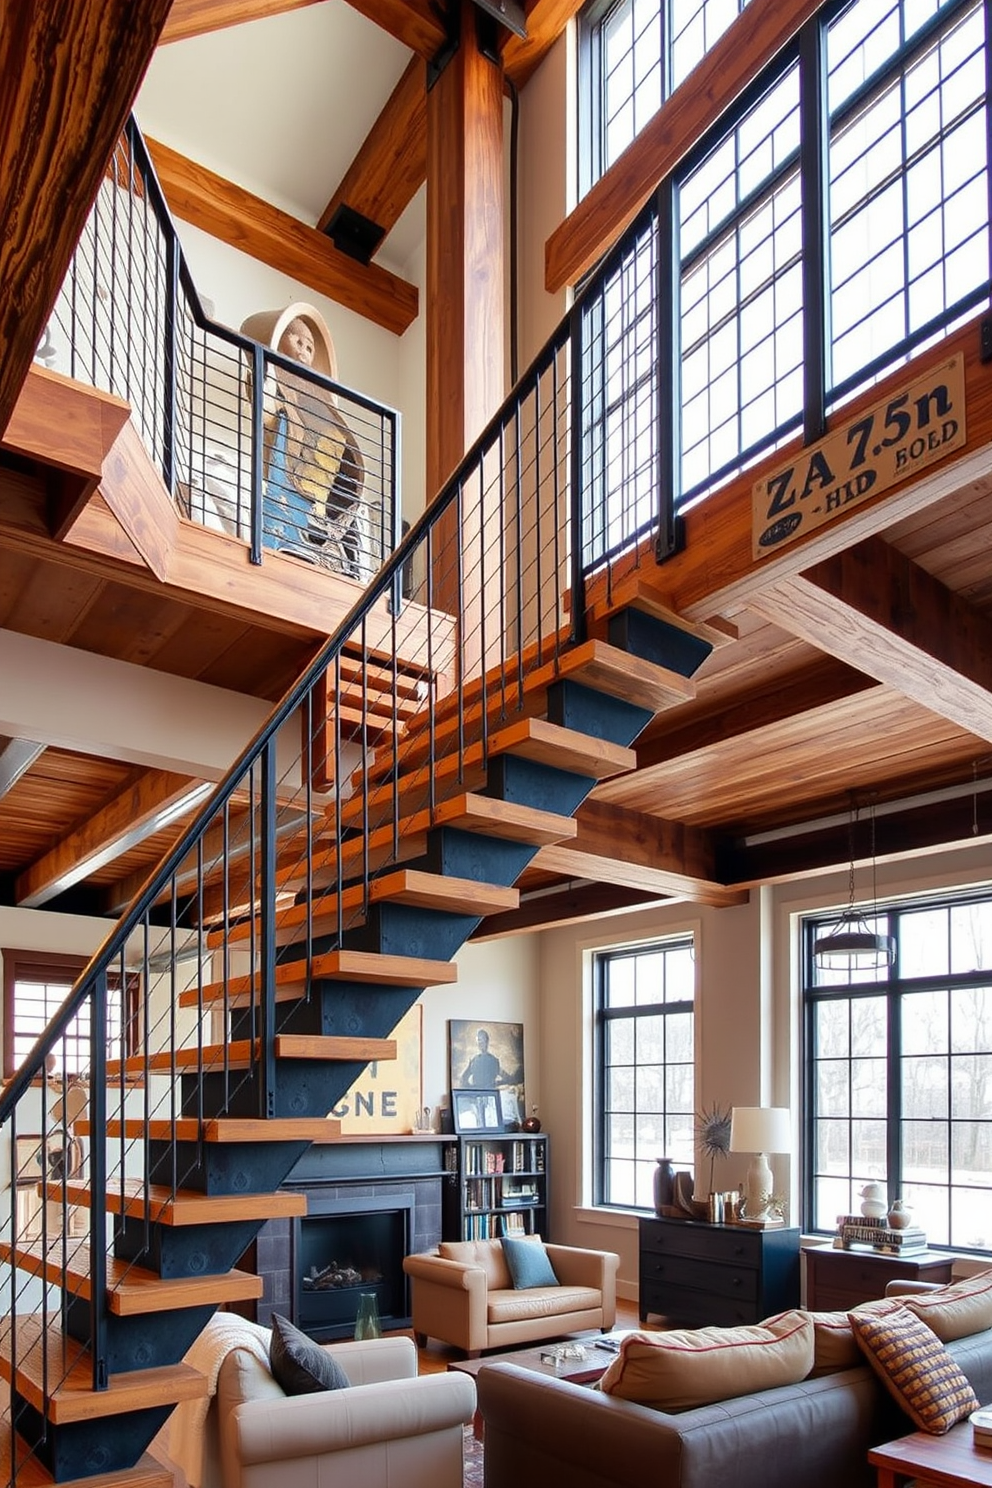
[(476, 1112), (488, 1056)]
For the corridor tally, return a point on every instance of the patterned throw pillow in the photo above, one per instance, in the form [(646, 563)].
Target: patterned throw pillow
[(915, 1368)]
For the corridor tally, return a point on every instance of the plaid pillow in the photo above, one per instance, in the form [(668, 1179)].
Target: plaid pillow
[(915, 1368)]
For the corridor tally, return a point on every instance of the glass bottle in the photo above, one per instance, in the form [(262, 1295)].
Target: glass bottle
[(367, 1324)]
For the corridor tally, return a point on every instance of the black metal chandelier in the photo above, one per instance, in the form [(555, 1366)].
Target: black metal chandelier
[(852, 944)]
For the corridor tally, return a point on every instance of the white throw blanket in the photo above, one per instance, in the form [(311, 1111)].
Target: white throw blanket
[(183, 1437)]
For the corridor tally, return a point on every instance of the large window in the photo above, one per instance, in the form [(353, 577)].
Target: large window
[(35, 985), (899, 1073), (645, 1072)]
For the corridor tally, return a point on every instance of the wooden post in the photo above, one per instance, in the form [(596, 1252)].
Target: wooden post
[(465, 281)]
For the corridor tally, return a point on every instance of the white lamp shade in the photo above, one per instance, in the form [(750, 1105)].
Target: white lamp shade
[(760, 1129)]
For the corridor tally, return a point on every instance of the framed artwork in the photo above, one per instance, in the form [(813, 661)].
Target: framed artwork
[(476, 1112), (483, 1055)]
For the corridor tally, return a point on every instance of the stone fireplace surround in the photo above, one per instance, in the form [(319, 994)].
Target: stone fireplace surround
[(352, 1174)]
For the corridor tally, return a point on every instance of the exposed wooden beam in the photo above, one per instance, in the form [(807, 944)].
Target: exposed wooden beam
[(544, 911), (226, 211), (619, 846), (874, 608), (146, 806), (189, 18), (546, 20), (391, 165), (758, 34), (415, 23), (70, 71)]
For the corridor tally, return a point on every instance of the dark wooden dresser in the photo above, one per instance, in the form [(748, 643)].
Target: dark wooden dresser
[(839, 1279), (692, 1273)]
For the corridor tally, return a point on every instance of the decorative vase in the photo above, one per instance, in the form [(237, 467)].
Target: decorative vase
[(873, 1201), (367, 1324), (531, 1123), (900, 1216), (664, 1184)]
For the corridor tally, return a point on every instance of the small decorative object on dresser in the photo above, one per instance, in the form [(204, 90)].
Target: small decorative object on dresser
[(873, 1201), (664, 1184), (900, 1215)]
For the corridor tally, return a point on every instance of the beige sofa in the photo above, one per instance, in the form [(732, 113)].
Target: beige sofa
[(389, 1427), (463, 1295)]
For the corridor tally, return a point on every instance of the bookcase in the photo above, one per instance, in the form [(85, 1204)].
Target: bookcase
[(494, 1186)]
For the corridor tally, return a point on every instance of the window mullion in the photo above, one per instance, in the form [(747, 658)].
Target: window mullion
[(814, 170)]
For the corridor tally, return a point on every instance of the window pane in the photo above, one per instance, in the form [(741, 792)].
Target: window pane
[(971, 937), (646, 1071)]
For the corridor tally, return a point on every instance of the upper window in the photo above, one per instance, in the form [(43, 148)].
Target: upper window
[(35, 985), (645, 1067), (633, 53), (899, 1073)]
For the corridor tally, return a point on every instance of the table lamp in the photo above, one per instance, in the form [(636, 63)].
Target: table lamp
[(760, 1130)]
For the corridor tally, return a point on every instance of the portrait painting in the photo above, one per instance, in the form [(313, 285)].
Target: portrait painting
[(485, 1055)]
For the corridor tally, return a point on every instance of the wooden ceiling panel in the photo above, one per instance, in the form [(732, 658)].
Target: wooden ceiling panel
[(130, 624), (260, 663), (60, 789), (53, 601), (865, 742)]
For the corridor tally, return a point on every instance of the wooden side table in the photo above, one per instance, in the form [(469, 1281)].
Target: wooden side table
[(951, 1461), (837, 1280)]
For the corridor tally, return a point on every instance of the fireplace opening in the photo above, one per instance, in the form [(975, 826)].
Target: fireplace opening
[(344, 1250)]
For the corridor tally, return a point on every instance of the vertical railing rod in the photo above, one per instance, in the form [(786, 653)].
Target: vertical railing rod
[(556, 524), (98, 1180), (501, 575), (462, 625), (338, 798), (257, 451), (575, 494), (519, 520), (538, 510), (169, 363), (308, 767), (267, 1084)]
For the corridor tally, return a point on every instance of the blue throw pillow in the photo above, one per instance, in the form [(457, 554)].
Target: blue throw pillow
[(528, 1264), (300, 1366)]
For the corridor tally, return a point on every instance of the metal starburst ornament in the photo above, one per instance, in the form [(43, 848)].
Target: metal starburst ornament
[(713, 1134)]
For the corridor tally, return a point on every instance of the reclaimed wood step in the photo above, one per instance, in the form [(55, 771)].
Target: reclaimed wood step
[(635, 591), (132, 1290), (527, 738), (183, 1207), (410, 886), (244, 1053), (147, 1473), (293, 977), (228, 1129), (55, 1375)]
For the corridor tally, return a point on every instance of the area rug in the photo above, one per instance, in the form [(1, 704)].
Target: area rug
[(472, 1458)]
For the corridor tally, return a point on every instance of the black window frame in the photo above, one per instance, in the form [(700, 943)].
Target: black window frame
[(603, 1016)]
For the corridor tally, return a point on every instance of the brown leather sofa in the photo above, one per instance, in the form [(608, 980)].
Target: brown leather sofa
[(540, 1430), (463, 1295)]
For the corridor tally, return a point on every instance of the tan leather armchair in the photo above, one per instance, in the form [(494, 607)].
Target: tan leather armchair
[(463, 1295), (389, 1427)]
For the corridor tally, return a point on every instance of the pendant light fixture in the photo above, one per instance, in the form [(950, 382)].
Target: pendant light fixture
[(852, 944)]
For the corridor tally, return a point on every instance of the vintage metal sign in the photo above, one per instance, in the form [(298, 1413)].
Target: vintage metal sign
[(881, 447)]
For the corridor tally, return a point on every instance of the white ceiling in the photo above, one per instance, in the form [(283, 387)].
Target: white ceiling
[(280, 105)]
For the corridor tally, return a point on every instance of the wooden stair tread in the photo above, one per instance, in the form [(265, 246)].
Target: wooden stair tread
[(225, 1129), (69, 1378), (635, 591), (411, 886), (526, 738), (186, 1206), (342, 966), (132, 1290), (243, 1053), (148, 1473)]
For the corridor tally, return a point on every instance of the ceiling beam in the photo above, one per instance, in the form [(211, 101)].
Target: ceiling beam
[(189, 18), (235, 216), (751, 42), (874, 608), (619, 846), (546, 20), (545, 911), (146, 806), (70, 71), (391, 165), (415, 23)]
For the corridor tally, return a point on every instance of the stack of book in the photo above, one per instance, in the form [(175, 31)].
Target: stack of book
[(855, 1232)]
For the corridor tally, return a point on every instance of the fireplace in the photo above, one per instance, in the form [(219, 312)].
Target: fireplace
[(344, 1248), (382, 1195)]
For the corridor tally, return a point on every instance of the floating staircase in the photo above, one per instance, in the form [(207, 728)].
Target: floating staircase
[(449, 730)]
